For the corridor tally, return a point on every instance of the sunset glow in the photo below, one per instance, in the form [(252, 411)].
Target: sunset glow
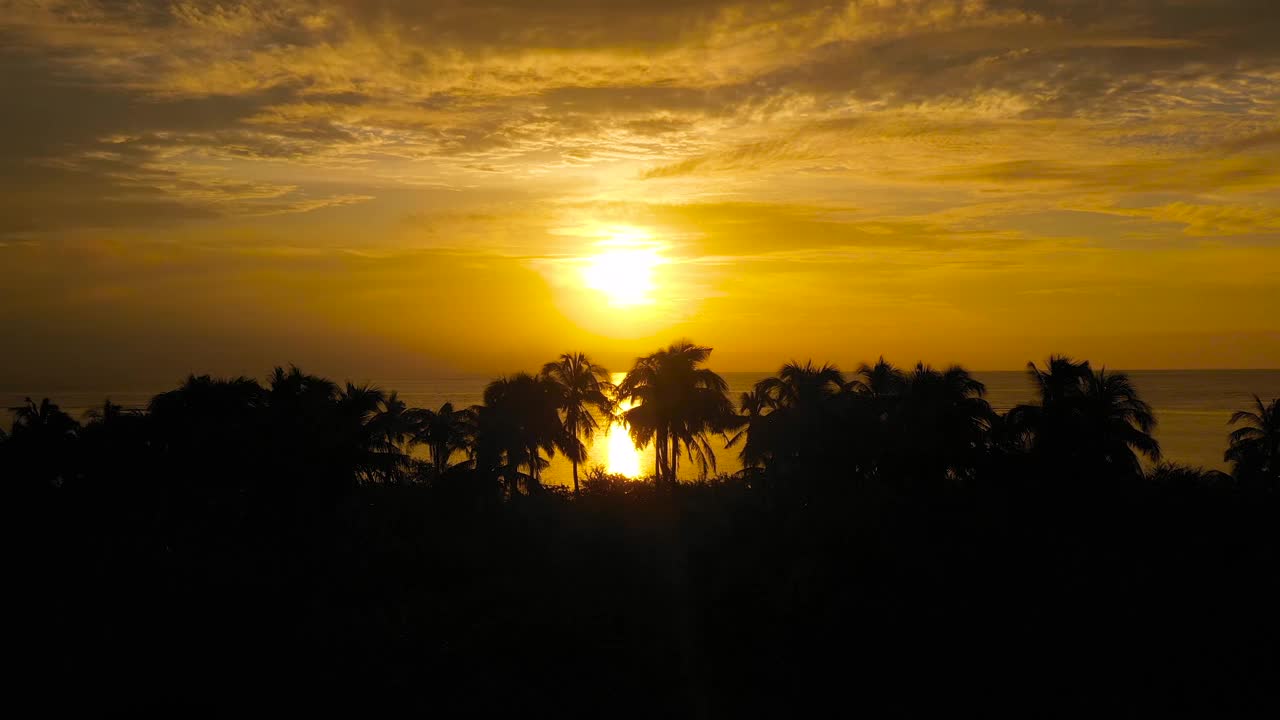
[(386, 187), (623, 457), (624, 272), (620, 456)]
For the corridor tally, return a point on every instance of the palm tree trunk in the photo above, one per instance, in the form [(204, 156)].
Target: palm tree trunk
[(575, 476), (659, 450), (675, 458)]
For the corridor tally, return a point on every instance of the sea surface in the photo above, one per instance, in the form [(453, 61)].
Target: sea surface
[(1192, 407)]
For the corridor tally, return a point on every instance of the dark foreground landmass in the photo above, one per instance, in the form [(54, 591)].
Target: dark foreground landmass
[(894, 548), (707, 601)]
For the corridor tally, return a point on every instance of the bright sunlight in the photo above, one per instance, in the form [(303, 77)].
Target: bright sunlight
[(623, 270), (622, 456)]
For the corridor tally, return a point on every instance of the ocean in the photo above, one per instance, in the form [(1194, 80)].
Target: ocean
[(1192, 407)]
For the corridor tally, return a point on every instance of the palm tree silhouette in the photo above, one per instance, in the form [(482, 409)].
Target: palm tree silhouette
[(114, 420), (444, 432), (42, 438), (940, 422), (107, 414), (1123, 422), (867, 401), (114, 438), (1086, 417), (583, 385), (45, 421), (803, 386), (344, 421), (519, 421), (755, 407), (677, 403), (1255, 448), (207, 412), (314, 430), (878, 381), (387, 436), (801, 415)]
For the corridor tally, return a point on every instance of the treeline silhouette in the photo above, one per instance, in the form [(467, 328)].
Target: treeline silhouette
[(892, 544)]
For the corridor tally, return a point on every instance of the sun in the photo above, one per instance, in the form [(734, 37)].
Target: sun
[(625, 277), (624, 268)]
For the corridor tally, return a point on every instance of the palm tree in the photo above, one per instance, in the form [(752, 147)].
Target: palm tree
[(45, 422), (317, 430), (677, 403), (114, 440), (213, 435), (314, 431), (305, 396), (1086, 418), (41, 441), (388, 436), (114, 421), (582, 386), (1121, 420), (105, 415), (801, 419), (878, 381), (444, 432), (202, 396), (1255, 448), (756, 408), (938, 425), (867, 400), (803, 386), (1042, 428), (208, 417), (519, 421), (1182, 477)]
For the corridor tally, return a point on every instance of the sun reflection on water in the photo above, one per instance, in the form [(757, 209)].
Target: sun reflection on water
[(621, 455)]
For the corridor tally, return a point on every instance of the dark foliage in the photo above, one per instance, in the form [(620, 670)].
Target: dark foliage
[(894, 547)]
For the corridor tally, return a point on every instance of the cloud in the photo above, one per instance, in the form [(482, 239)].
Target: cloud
[(1264, 140), (1216, 220), (749, 156), (917, 112)]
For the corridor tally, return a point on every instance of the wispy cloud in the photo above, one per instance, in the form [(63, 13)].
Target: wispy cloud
[(1038, 139)]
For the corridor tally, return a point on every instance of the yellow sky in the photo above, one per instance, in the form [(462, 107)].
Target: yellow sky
[(384, 188)]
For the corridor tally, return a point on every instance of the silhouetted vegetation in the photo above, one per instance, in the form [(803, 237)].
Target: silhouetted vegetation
[(583, 387), (892, 545), (676, 405), (1255, 447)]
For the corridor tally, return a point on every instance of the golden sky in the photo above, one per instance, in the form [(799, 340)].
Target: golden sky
[(385, 187)]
